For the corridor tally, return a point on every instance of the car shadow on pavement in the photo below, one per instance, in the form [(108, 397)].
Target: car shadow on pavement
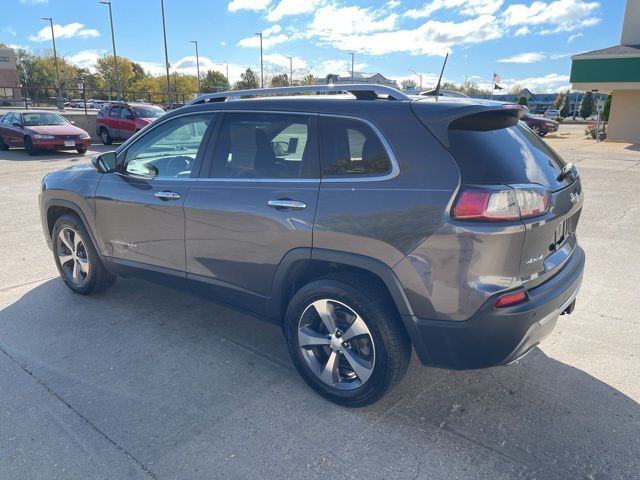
[(184, 385)]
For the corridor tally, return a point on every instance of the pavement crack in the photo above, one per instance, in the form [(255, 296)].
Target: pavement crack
[(93, 426)]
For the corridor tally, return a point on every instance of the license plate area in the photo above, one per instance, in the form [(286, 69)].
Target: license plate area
[(69, 143), (562, 231)]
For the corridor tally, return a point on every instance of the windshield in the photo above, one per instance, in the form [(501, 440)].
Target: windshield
[(148, 112), (35, 119)]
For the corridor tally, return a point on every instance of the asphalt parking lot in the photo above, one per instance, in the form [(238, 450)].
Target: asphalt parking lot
[(145, 382)]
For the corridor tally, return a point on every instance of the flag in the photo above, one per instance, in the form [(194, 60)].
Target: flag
[(496, 78), (497, 87)]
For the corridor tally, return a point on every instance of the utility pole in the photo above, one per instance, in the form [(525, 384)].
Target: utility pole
[(290, 70), (419, 75), (197, 63), (228, 84), (166, 54), (261, 64), (55, 61), (352, 74), (115, 55)]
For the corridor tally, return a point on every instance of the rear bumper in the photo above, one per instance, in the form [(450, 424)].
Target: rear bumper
[(499, 336)]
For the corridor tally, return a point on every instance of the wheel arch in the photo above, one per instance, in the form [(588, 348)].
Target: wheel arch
[(56, 208)]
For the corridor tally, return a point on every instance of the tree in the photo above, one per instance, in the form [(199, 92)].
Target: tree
[(606, 109), (308, 79), (516, 89), (559, 100), (409, 84), (586, 105), (214, 81), (564, 108), (280, 80), (523, 101), (247, 80)]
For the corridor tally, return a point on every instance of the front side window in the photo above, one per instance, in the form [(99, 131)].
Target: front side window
[(350, 148), (266, 146), (115, 112), (169, 150)]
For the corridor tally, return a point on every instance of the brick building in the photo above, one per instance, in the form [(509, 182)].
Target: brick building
[(9, 79)]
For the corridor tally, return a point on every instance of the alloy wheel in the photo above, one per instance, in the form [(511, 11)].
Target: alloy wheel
[(72, 254), (336, 344)]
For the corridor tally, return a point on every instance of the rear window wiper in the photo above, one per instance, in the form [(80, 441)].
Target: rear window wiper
[(566, 170)]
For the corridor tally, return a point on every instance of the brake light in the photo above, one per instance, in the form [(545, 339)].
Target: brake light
[(511, 299), (501, 204)]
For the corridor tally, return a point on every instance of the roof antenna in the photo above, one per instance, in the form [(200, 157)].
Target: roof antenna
[(436, 92)]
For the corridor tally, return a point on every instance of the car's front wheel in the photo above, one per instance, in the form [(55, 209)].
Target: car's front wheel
[(536, 129), (76, 257), (346, 339), (105, 137), (29, 147), (82, 151)]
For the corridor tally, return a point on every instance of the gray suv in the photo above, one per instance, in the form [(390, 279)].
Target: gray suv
[(362, 221)]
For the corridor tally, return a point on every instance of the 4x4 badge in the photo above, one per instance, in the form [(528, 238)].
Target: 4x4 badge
[(574, 197)]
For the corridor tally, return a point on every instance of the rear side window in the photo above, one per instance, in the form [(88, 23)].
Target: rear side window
[(265, 146), (350, 148), (505, 155)]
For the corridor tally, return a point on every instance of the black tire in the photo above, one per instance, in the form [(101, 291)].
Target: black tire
[(98, 278), (105, 137), (390, 342), (3, 146), (536, 129), (28, 146), (82, 151), (542, 133)]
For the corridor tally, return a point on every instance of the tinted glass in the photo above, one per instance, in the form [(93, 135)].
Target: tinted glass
[(115, 112), (7, 119), (263, 146), (168, 151), (505, 155), (34, 119), (351, 148)]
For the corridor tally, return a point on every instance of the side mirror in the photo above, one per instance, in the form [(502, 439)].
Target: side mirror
[(17, 124), (72, 122), (105, 162)]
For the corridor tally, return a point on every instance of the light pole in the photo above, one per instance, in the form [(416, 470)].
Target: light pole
[(261, 64), (352, 74), (290, 70), (419, 75), (197, 63), (55, 59), (115, 55), (166, 54)]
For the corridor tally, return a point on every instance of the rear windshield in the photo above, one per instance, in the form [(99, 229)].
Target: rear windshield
[(148, 112), (506, 155)]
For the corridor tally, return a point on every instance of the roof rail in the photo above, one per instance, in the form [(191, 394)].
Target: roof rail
[(360, 91)]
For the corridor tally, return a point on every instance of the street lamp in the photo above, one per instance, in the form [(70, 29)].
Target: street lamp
[(197, 63), (352, 74), (55, 59), (290, 70), (115, 55), (419, 75), (166, 55), (261, 64)]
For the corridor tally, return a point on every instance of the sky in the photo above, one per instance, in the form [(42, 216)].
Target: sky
[(526, 42)]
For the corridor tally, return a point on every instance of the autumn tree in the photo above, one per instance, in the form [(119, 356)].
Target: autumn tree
[(247, 80), (559, 100), (409, 84), (308, 79), (214, 81), (279, 80)]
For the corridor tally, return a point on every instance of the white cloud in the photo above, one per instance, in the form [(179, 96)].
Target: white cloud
[(335, 20), (556, 16), (9, 31), (187, 65), (255, 5), (34, 2), (70, 30), (223, 43), (86, 58), (465, 7), (270, 37), (280, 60), (364, 33), (530, 57), (291, 7), (339, 67), (575, 37), (522, 31), (553, 82)]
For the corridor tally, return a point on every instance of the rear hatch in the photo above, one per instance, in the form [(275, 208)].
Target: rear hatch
[(495, 151)]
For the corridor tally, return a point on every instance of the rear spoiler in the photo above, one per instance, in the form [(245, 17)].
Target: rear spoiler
[(478, 115)]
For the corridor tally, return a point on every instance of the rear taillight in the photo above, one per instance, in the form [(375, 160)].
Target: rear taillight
[(512, 298), (501, 203)]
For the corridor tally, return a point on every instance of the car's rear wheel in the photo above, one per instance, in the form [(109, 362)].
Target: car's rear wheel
[(105, 137), (3, 146), (536, 129), (76, 257), (28, 146), (82, 151), (346, 339)]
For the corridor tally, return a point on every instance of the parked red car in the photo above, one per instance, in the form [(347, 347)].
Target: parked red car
[(540, 125), (39, 130), (118, 121)]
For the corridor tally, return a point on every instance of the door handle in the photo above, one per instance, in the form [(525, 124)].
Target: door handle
[(286, 204), (167, 195)]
